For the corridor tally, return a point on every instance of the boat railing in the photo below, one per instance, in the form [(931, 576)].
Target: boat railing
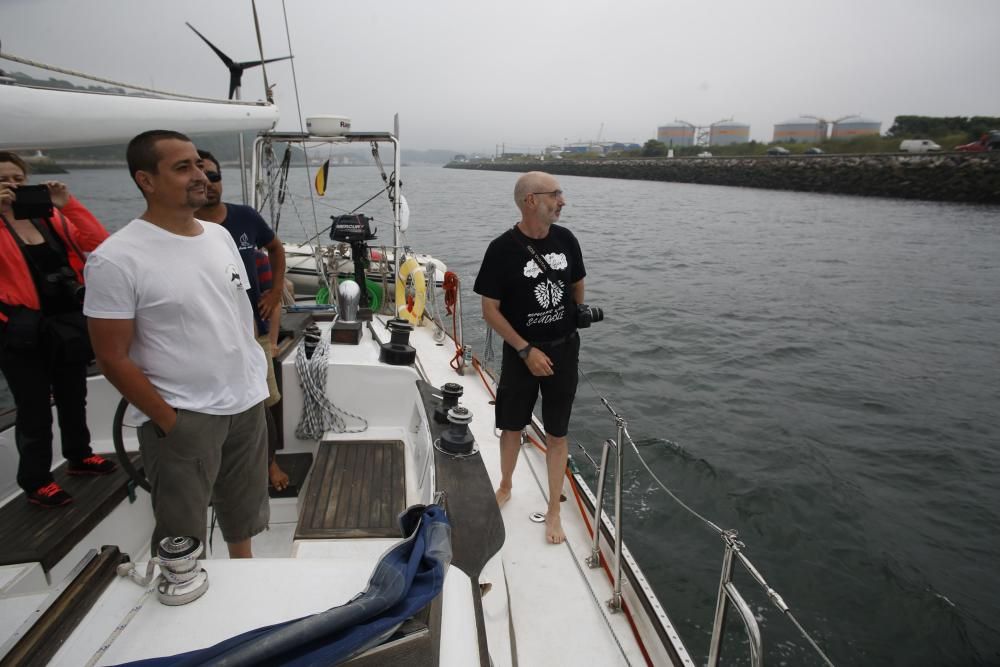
[(728, 594)]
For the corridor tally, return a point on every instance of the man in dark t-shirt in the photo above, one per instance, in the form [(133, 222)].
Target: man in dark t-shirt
[(531, 303), (250, 232)]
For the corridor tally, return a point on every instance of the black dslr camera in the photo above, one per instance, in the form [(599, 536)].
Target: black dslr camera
[(64, 282), (586, 315)]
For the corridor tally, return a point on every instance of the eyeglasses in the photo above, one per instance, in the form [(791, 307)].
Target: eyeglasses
[(554, 193), (213, 176)]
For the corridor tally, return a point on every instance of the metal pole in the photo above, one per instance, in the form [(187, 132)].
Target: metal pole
[(243, 171), (396, 164), (615, 603), (594, 560), (258, 149), (715, 647), (466, 356)]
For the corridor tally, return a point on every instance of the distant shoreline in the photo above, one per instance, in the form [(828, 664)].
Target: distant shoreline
[(951, 177)]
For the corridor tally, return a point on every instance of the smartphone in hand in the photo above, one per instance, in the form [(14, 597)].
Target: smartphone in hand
[(32, 201)]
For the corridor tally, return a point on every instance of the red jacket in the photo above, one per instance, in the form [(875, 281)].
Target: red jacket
[(79, 231)]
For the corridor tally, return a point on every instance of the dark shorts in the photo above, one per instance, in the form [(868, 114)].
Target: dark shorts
[(217, 458), (519, 389)]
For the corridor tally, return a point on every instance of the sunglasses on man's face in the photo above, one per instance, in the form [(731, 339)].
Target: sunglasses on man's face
[(213, 176)]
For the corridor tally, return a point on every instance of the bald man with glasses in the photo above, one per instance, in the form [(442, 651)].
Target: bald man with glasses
[(531, 281)]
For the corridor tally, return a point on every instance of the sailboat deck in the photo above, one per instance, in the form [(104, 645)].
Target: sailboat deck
[(33, 534)]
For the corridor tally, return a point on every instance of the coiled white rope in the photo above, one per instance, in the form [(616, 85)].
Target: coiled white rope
[(319, 415)]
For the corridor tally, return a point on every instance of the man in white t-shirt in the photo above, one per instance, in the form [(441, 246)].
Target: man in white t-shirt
[(172, 329)]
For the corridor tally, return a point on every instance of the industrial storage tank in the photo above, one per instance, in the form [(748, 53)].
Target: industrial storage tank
[(801, 131), (729, 132), (856, 126), (676, 134)]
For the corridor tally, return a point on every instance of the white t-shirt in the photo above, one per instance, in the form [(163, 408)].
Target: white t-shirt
[(194, 335)]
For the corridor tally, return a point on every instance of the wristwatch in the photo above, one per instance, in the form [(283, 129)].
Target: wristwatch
[(525, 351)]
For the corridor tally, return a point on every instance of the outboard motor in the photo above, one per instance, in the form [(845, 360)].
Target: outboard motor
[(182, 579), (398, 351), (355, 230)]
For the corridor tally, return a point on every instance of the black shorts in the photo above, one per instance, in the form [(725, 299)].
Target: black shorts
[(518, 388)]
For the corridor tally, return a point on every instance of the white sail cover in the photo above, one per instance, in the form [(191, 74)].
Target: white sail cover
[(40, 118)]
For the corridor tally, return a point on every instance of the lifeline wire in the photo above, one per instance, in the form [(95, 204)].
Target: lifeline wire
[(722, 533), (319, 415), (298, 108)]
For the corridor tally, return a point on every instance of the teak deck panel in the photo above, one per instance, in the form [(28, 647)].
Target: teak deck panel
[(29, 533), (357, 489)]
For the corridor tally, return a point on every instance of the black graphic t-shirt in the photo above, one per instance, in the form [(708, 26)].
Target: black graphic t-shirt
[(537, 308)]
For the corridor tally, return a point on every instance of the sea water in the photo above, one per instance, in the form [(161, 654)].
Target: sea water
[(818, 372)]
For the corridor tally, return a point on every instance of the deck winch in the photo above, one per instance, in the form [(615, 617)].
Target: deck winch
[(182, 579), (457, 440), (450, 393), (398, 351), (310, 339)]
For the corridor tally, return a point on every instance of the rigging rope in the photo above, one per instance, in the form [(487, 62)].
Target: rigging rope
[(319, 415), (451, 286), (110, 82), (450, 292), (260, 49), (302, 129)]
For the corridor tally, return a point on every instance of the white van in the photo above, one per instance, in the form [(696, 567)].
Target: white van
[(918, 146)]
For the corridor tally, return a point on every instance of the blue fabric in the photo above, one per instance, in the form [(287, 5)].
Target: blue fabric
[(405, 580), (249, 231)]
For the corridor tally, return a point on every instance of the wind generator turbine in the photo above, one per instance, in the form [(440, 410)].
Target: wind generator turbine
[(235, 68), (236, 81)]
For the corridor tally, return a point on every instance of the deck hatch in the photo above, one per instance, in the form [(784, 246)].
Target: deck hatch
[(357, 489)]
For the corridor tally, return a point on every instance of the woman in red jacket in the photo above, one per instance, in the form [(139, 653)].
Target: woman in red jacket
[(44, 351)]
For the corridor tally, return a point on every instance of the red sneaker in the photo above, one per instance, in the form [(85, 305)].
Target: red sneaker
[(50, 495), (92, 465)]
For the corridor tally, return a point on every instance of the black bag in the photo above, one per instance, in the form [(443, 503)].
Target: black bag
[(68, 336), (23, 330)]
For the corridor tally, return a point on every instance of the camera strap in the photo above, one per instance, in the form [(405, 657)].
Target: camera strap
[(50, 240), (535, 255)]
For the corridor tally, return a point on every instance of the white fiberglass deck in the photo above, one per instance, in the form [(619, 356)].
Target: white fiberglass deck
[(556, 604)]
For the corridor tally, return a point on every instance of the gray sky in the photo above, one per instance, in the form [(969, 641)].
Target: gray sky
[(467, 75)]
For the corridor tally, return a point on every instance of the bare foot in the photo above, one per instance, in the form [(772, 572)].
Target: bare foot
[(553, 530), (503, 495), (277, 476)]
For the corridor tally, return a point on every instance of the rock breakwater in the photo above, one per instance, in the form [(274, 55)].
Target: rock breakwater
[(955, 177)]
